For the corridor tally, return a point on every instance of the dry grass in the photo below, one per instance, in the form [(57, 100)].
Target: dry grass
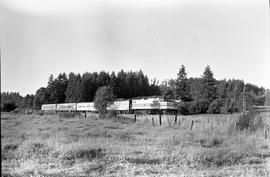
[(49, 145)]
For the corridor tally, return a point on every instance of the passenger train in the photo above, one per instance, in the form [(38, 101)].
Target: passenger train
[(147, 105)]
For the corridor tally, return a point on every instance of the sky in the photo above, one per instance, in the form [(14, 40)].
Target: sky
[(43, 37)]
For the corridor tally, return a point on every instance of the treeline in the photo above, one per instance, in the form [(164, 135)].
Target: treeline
[(82, 88), (208, 95), (204, 94), (13, 100)]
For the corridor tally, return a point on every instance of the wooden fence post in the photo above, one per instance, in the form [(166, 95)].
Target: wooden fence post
[(265, 131), (204, 131), (135, 117), (160, 118), (191, 125), (169, 121)]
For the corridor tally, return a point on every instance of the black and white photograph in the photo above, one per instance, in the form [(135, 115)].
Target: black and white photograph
[(135, 88)]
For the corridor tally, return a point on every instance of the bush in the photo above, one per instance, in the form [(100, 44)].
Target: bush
[(198, 107), (7, 107), (186, 108), (183, 108), (243, 121), (229, 107), (215, 107), (104, 95), (66, 114), (192, 108), (250, 121), (112, 113)]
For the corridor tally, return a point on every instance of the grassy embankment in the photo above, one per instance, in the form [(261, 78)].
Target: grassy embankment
[(49, 145)]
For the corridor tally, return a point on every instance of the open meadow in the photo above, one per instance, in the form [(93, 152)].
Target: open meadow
[(57, 146)]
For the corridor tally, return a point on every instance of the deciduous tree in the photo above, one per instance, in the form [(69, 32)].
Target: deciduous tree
[(103, 97)]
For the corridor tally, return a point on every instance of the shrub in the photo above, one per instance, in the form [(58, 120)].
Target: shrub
[(103, 96), (198, 107), (66, 114), (250, 121), (7, 107), (256, 123), (229, 107), (243, 121), (112, 113), (215, 107), (183, 108), (192, 108)]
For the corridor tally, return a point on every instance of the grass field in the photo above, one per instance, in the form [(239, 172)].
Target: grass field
[(53, 145)]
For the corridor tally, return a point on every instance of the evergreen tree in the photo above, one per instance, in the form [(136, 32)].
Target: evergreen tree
[(130, 82), (70, 88), (103, 79), (88, 86), (122, 84), (57, 88), (154, 89), (195, 85), (114, 84), (143, 84), (50, 88), (78, 89), (182, 91), (73, 91), (208, 86)]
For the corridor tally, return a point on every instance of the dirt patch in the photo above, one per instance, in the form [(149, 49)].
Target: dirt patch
[(135, 133), (82, 154), (262, 155), (112, 127), (44, 128), (33, 149), (123, 119), (137, 152), (66, 115), (10, 147), (8, 151), (143, 160), (211, 142), (125, 137), (62, 128), (226, 157), (7, 175), (97, 134)]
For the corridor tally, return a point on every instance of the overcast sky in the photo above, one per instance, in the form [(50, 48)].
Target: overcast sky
[(43, 37)]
